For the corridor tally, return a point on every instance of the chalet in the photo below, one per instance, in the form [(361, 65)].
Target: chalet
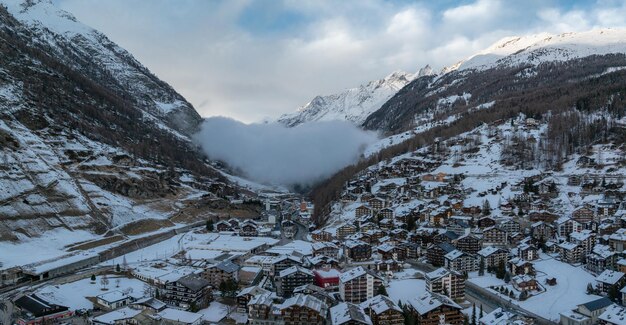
[(583, 215), (321, 262), (447, 283), (187, 292), (542, 231), (469, 244), (431, 309), (570, 252), (245, 294), (602, 258), (485, 222), (261, 309), (460, 261), (494, 236), (510, 226), (358, 284), (515, 238), (492, 256), (586, 239), (249, 229), (613, 315), (223, 226), (357, 250), (363, 211), (617, 240), (565, 226), (234, 223), (435, 253), (376, 203), (221, 272), (518, 266), (289, 279), (283, 262), (524, 283), (528, 252), (345, 230), (347, 313), (303, 307), (383, 311), (325, 249), (321, 235), (610, 280), (386, 213)]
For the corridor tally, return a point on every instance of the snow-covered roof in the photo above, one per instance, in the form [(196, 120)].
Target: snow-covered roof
[(355, 273), (430, 301), (614, 314), (380, 304), (497, 317), (296, 268), (609, 277), (346, 312), (454, 254), (488, 251), (180, 316), (307, 301), (117, 315), (112, 296)]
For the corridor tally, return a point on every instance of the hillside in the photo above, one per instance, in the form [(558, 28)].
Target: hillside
[(89, 138), (590, 82)]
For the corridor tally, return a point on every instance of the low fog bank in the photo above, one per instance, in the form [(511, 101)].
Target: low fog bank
[(274, 154)]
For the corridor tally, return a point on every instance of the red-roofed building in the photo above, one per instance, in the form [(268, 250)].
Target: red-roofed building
[(326, 278)]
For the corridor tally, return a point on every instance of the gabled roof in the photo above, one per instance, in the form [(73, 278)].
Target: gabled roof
[(307, 301), (597, 304), (346, 312), (610, 277), (355, 273), (294, 269), (380, 304), (431, 301)]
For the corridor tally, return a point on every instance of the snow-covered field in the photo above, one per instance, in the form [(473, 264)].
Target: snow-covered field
[(569, 292), (73, 294), (405, 289)]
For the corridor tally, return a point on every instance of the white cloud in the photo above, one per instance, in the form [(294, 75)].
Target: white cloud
[(274, 154), (226, 68)]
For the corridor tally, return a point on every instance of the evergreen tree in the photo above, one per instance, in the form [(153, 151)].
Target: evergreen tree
[(507, 277), (486, 207), (118, 268), (614, 293), (209, 225), (93, 278), (474, 314), (481, 311), (381, 290), (589, 288), (500, 271), (481, 267)]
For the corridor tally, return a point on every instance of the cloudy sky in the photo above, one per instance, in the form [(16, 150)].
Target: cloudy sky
[(251, 60)]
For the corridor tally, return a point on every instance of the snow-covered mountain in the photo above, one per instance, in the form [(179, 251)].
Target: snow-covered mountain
[(90, 52), (90, 140), (355, 104), (545, 47), (519, 64)]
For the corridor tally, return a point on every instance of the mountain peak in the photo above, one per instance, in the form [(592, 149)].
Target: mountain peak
[(542, 47)]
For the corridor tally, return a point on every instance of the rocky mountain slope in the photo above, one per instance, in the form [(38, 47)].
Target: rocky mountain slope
[(507, 74), (355, 104), (89, 138)]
